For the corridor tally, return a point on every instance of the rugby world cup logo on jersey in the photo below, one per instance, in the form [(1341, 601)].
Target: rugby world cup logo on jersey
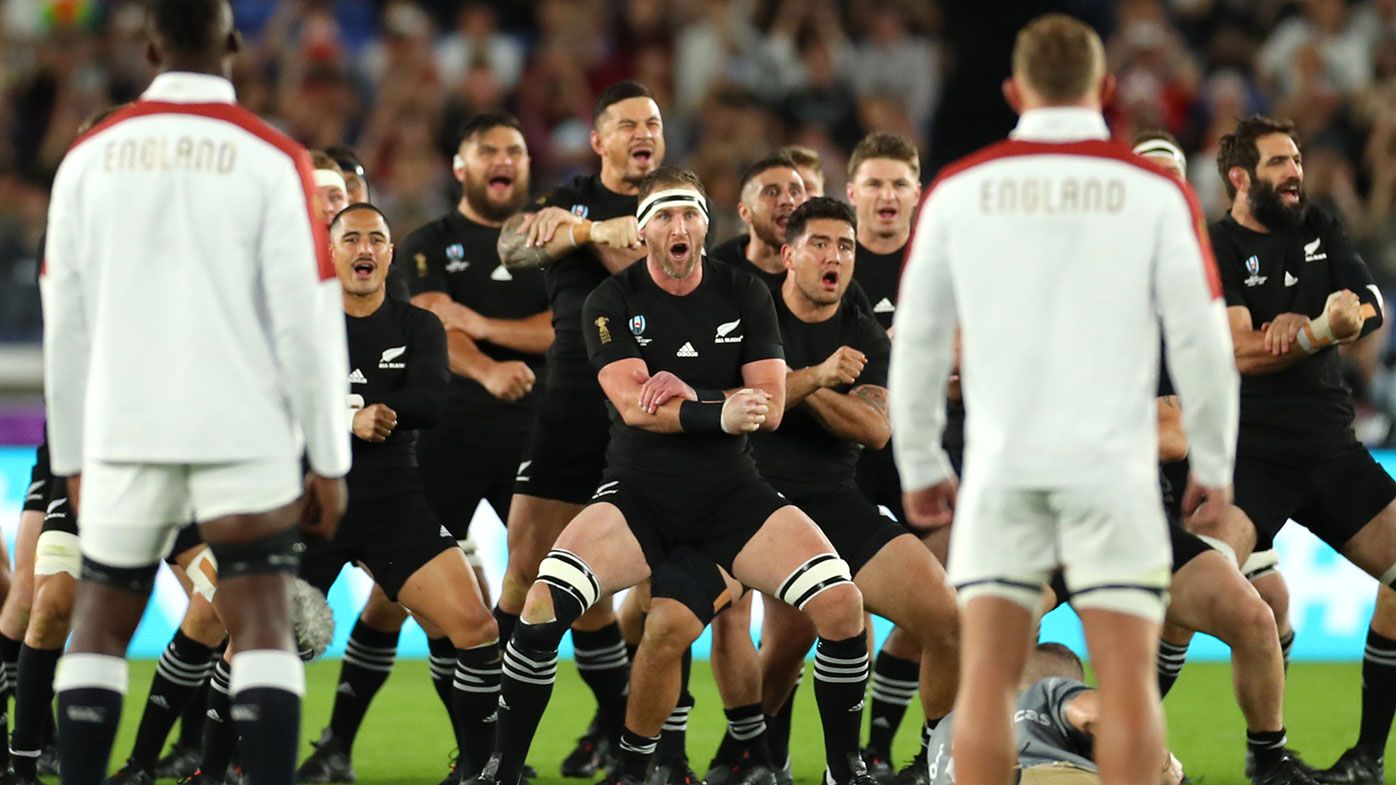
[(637, 329), (725, 330), (390, 357), (580, 210), (455, 252), (1253, 267)]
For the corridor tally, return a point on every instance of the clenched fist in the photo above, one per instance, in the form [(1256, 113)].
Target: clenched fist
[(745, 410), (842, 367), (374, 423)]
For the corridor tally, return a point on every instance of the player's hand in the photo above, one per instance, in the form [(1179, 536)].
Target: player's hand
[(745, 410), (619, 232), (509, 381), (540, 227), (933, 507), (842, 367), (325, 501), (374, 423), (74, 492), (1205, 505), (1282, 333), (1344, 314), (1172, 770), (661, 388)]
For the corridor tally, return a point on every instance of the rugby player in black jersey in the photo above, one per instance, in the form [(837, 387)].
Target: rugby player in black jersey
[(668, 338), (580, 233), (398, 384), (771, 189), (498, 327), (1296, 289), (809, 165)]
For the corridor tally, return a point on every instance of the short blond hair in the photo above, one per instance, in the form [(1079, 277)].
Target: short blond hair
[(1059, 57)]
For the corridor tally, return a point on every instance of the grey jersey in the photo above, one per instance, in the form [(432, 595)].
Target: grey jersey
[(1039, 725)]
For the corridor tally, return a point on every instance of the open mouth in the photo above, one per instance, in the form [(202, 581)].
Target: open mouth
[(1290, 192), (642, 155), (887, 213), (678, 251), (500, 184), (781, 220), (830, 280), (364, 269)]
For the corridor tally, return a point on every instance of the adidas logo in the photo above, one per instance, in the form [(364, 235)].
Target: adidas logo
[(1290, 280), (687, 350), (87, 714), (357, 377), (858, 707), (345, 688), (159, 700), (501, 273), (882, 722), (884, 306)]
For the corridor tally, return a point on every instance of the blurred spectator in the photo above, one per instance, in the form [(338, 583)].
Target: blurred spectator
[(893, 62), (1317, 44), (477, 43)]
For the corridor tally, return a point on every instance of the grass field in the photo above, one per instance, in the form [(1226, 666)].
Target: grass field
[(406, 739)]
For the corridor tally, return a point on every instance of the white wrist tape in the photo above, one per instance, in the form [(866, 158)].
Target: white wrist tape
[(356, 402)]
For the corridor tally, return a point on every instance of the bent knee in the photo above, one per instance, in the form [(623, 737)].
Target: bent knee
[(837, 611), (670, 628)]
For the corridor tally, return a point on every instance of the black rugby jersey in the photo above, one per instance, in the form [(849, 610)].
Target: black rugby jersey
[(572, 277), (802, 455), (880, 274), (733, 253), (1306, 406), (458, 257), (704, 338), (397, 357)]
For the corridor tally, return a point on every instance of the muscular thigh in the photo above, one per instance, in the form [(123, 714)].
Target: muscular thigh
[(601, 538)]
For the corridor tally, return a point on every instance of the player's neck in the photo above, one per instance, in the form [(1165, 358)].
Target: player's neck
[(805, 309), (884, 245), (616, 182), (474, 216), (182, 65), (762, 256), (675, 286), (1240, 212), (361, 305)]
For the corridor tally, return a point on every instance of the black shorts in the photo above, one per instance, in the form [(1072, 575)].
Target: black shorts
[(855, 526), (879, 481), (188, 537), (58, 514), (391, 535), (714, 515), (460, 467), (566, 452), (40, 478), (692, 579), (1332, 495)]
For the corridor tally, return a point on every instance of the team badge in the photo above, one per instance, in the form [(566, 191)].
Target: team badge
[(455, 252), (602, 331), (421, 260), (580, 210)]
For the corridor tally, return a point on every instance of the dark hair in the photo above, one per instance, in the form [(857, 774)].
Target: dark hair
[(186, 26), (616, 93), (356, 206), (815, 209), (481, 122), (773, 161), (670, 177), (347, 159), (1238, 148), (1053, 659), (881, 144)]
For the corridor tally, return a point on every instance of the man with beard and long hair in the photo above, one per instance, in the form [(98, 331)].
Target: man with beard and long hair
[(1295, 289), (497, 328)]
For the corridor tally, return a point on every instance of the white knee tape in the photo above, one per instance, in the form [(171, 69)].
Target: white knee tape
[(566, 571), (57, 552), (1135, 601), (1388, 576), (203, 574), (1260, 563), (1016, 592), (823, 572), (1222, 547), (472, 554)]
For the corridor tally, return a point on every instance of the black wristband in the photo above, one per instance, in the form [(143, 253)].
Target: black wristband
[(695, 417), (706, 395)]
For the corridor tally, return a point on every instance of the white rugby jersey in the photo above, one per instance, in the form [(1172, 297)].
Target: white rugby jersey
[(1057, 253), (191, 311)]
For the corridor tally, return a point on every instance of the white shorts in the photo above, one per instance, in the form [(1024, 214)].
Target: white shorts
[(131, 512), (1111, 543)]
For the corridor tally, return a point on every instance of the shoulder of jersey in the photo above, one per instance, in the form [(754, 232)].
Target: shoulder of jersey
[(234, 114), (1106, 149)]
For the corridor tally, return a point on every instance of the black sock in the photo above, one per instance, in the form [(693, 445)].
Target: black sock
[(266, 692), (1286, 646), (182, 669), (744, 723), (368, 659), (507, 622), (894, 684), (673, 739), (90, 689), (475, 700), (606, 670), (220, 738), (441, 657), (195, 714), (33, 706), (1171, 658), (1266, 746), (9, 672), (840, 681), (524, 692), (1378, 692), (778, 727), (636, 751), (928, 728)]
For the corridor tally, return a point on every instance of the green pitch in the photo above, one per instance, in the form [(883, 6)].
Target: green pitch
[(406, 737)]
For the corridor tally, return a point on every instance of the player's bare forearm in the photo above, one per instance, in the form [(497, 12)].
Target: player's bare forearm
[(769, 377), (1253, 359), (1172, 439), (852, 416), (532, 335), (619, 382), (465, 357), (800, 384), (614, 259), (515, 252)]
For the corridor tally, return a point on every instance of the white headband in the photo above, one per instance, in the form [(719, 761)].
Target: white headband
[(1162, 148), (328, 177), (673, 197)]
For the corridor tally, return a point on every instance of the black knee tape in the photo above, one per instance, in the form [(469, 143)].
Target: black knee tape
[(137, 580), (279, 553)]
